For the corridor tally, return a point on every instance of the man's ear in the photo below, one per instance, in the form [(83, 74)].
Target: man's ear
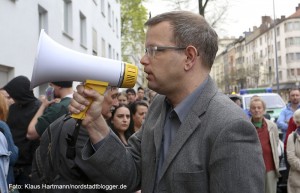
[(191, 56)]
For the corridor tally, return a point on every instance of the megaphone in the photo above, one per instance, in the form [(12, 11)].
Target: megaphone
[(54, 62)]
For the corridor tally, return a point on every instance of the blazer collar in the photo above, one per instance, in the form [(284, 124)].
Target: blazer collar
[(190, 124)]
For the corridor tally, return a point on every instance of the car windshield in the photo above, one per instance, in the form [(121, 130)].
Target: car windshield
[(272, 101)]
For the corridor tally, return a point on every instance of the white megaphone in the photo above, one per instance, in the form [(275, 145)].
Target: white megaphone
[(54, 62)]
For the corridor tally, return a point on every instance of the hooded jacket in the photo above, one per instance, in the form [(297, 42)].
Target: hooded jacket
[(20, 115)]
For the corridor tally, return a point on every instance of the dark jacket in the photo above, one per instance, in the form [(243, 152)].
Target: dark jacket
[(19, 116)]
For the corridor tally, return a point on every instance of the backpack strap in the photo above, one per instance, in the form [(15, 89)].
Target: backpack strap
[(71, 141), (55, 158), (53, 162)]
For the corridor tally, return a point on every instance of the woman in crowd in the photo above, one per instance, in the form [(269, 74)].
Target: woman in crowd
[(10, 142), (122, 98), (121, 122), (293, 156), (269, 139)]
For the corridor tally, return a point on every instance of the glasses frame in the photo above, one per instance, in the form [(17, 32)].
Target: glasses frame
[(151, 50)]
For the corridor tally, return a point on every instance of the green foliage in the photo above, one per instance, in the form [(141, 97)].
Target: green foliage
[(133, 17)]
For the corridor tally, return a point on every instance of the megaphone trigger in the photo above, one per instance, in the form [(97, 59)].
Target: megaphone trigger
[(96, 85)]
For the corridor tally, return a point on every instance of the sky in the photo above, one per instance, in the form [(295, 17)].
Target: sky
[(241, 15)]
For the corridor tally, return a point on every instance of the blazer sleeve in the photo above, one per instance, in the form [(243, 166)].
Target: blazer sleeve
[(113, 163)]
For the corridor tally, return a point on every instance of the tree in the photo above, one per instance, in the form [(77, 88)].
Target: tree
[(133, 17), (213, 10)]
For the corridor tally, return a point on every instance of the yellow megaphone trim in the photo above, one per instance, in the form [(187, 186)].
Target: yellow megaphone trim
[(99, 86)]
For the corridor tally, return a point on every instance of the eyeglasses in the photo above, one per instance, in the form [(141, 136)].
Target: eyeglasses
[(151, 50)]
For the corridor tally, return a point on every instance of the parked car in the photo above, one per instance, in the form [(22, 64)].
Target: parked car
[(274, 102)]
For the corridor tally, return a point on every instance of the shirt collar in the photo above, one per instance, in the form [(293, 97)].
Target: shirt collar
[(183, 108)]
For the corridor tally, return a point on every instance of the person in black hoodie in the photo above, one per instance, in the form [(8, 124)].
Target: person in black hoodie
[(19, 117)]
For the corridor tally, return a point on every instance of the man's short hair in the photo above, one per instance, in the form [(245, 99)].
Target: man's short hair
[(130, 90)]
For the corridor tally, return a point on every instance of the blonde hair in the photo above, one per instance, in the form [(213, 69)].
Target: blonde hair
[(3, 108)]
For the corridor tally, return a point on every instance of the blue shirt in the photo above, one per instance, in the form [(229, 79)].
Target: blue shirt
[(174, 118), (284, 117)]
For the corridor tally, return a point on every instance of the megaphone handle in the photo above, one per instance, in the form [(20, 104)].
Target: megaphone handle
[(99, 86)]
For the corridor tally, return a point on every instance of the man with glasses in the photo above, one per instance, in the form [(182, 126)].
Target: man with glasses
[(193, 138)]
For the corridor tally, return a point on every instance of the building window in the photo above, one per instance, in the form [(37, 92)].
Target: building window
[(296, 25), (292, 41), (113, 20), (280, 75), (43, 18), (261, 54), (292, 57), (297, 56), (260, 41), (103, 48), (289, 57), (288, 27), (109, 51), (95, 45), (278, 31), (83, 30), (266, 38), (68, 17), (117, 27), (297, 41), (279, 60), (109, 14), (103, 7), (298, 71), (292, 72), (278, 46), (292, 26)]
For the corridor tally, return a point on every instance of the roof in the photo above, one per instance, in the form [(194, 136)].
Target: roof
[(297, 13)]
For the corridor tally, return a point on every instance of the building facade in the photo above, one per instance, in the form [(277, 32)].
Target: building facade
[(90, 27), (253, 60)]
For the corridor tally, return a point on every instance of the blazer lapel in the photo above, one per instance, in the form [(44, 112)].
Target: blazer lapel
[(158, 130), (191, 122)]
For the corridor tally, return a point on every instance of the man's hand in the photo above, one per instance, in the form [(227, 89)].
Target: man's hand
[(93, 121)]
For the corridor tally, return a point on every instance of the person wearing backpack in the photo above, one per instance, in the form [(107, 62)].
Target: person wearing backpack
[(49, 111), (293, 156), (52, 164)]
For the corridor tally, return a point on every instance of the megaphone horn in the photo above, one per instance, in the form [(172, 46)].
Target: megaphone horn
[(55, 62)]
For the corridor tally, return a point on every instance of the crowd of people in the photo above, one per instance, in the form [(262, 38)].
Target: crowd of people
[(288, 124), (24, 118), (185, 136)]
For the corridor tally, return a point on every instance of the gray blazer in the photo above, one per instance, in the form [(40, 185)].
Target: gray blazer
[(216, 150)]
